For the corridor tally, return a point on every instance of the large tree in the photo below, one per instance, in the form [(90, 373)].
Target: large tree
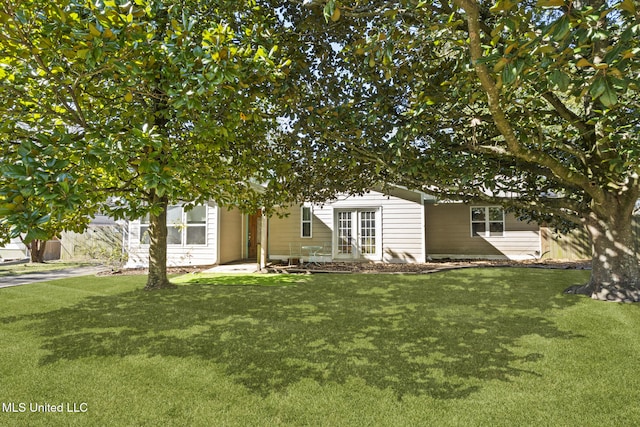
[(142, 103), (531, 104)]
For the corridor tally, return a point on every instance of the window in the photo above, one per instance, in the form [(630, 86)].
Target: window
[(368, 232), (306, 221), (196, 226), (487, 221), (174, 225), (344, 231), (183, 227), (144, 230)]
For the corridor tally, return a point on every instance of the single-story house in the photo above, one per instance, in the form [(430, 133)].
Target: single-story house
[(399, 226)]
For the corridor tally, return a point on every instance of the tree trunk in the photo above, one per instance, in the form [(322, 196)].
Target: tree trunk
[(615, 263), (36, 249), (157, 278)]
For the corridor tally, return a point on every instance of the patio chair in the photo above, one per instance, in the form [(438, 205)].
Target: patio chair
[(325, 255), (295, 253)]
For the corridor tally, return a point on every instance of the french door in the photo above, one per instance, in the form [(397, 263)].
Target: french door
[(357, 234)]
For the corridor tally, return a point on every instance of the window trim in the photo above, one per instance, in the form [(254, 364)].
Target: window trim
[(487, 222), (182, 225), (308, 221)]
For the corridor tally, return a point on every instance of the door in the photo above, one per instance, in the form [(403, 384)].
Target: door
[(357, 234), (252, 236)]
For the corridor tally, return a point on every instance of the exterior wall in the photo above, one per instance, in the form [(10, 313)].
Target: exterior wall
[(448, 235), (178, 255), (399, 222), (232, 236), (16, 250), (285, 234)]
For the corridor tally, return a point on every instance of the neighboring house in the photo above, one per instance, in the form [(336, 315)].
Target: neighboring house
[(399, 226), (15, 250)]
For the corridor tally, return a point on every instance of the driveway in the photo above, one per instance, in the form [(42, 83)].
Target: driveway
[(44, 276)]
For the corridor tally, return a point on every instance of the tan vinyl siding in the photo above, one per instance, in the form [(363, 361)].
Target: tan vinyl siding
[(449, 235), (231, 235), (287, 230)]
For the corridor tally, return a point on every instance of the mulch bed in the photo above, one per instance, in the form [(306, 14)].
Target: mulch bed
[(376, 267), (170, 270), (432, 266)]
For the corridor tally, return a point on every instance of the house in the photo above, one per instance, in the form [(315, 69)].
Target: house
[(372, 227), (458, 230), (205, 235), (14, 250), (398, 226)]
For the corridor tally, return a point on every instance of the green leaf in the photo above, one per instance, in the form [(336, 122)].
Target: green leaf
[(560, 79), (328, 10), (550, 3), (597, 87), (509, 74), (35, 234), (609, 98), (561, 28), (628, 6)]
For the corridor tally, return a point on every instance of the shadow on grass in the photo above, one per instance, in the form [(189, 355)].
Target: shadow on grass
[(438, 335)]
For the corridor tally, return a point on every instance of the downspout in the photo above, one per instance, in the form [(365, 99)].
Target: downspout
[(263, 241), (423, 222), (216, 261)]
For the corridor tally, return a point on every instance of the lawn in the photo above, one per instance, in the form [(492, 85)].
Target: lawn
[(12, 269), (499, 346)]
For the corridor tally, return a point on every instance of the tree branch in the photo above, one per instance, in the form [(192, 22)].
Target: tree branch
[(499, 117)]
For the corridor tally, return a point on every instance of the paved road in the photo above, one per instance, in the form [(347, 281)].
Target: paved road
[(43, 276)]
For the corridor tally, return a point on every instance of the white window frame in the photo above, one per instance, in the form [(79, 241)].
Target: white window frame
[(182, 225), (487, 221), (306, 221), (193, 225)]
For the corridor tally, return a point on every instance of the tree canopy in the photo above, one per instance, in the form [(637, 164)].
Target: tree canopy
[(529, 104), (138, 103)]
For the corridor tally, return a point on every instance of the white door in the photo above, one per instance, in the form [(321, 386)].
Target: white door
[(357, 234)]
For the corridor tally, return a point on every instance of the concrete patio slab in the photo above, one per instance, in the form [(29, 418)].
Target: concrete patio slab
[(240, 267)]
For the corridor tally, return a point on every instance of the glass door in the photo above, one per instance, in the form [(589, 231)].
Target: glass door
[(357, 234), (344, 232)]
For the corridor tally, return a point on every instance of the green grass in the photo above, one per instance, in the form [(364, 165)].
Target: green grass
[(27, 267), (470, 347)]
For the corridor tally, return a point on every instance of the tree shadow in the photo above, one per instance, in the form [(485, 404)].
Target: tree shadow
[(414, 335)]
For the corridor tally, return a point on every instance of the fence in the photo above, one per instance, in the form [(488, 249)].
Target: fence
[(103, 243), (576, 244)]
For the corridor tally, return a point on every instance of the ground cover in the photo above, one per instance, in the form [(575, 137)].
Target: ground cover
[(498, 346)]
